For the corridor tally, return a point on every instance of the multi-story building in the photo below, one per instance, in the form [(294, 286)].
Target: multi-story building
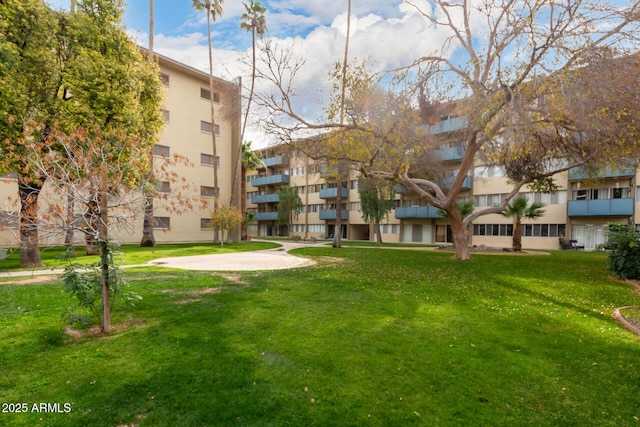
[(187, 114), (579, 210)]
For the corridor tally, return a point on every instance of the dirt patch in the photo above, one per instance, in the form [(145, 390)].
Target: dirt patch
[(234, 278), (482, 249), (35, 280), (187, 301), (95, 331), (331, 259)]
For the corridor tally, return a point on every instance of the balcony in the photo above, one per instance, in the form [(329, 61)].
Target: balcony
[(467, 184), (265, 198), (332, 193), (266, 216), (451, 154), (258, 181), (626, 170), (449, 125), (602, 207), (275, 161), (415, 212), (328, 214)]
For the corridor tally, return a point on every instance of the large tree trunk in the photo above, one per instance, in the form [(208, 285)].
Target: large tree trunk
[(29, 191), (517, 237), (70, 226), (148, 238), (459, 232), (378, 233)]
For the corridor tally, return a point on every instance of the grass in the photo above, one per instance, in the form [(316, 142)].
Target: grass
[(134, 254), (365, 337)]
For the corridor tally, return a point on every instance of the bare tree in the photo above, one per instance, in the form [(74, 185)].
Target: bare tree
[(522, 85)]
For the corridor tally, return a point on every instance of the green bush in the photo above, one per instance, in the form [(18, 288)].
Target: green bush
[(624, 258), (84, 282)]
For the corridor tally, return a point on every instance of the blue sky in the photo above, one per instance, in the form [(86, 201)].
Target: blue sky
[(387, 33)]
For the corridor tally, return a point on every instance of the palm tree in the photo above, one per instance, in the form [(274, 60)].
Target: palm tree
[(520, 209), (250, 161), (255, 22), (213, 8)]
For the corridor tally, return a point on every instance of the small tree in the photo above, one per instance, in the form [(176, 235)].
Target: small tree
[(226, 218), (624, 258), (289, 204), (376, 200), (520, 209), (250, 161)]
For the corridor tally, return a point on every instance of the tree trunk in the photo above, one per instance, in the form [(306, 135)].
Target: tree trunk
[(517, 237), (148, 238), (378, 234), (459, 232), (337, 234), (68, 235), (104, 250), (29, 246), (244, 235)]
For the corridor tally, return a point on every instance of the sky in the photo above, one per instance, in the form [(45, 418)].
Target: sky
[(386, 33)]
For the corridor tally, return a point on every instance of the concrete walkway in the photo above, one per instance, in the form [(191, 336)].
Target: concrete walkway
[(268, 259)]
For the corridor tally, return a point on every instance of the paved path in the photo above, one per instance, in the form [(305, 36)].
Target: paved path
[(268, 259)]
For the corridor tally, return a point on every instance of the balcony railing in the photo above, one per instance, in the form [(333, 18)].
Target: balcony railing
[(258, 181), (328, 214), (600, 207), (265, 198), (275, 161), (332, 193), (449, 125), (467, 184), (450, 153), (266, 216), (623, 171), (414, 212)]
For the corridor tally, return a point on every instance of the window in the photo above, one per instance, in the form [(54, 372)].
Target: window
[(164, 78), (206, 127), (161, 150), (355, 206), (208, 159), (251, 194), (166, 115), (353, 184), (389, 228), (206, 94), (163, 187), (298, 228), (298, 171), (206, 224), (161, 222), (208, 191), (316, 228)]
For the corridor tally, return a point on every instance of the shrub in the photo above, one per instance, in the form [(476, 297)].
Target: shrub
[(624, 258), (84, 282)]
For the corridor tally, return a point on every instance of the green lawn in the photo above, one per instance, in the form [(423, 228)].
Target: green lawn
[(366, 337)]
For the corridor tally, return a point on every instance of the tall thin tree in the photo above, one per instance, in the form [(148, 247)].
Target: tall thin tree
[(148, 238), (213, 9), (337, 235), (254, 21)]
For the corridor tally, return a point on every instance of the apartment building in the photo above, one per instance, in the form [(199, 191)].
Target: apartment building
[(579, 210), (187, 133)]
